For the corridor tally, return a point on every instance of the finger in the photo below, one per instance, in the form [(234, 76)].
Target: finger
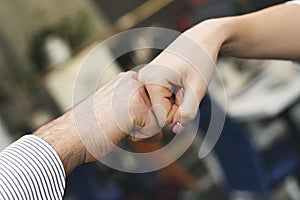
[(155, 138), (148, 129), (140, 107), (189, 106), (160, 100), (171, 114), (179, 97), (145, 124), (126, 76), (126, 102), (175, 106), (145, 96)]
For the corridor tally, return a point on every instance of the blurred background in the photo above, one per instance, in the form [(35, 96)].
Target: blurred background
[(42, 44)]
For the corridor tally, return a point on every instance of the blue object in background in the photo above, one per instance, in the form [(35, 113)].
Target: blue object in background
[(85, 184), (245, 168)]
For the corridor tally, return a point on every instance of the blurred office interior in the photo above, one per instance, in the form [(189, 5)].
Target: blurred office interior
[(43, 43)]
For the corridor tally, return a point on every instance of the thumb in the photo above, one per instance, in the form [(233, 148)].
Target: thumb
[(187, 110)]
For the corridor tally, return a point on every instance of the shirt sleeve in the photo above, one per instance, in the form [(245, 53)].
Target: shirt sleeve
[(30, 169), (294, 2)]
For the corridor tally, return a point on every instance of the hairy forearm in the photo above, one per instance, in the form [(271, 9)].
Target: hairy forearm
[(272, 33), (78, 138), (92, 128), (61, 134)]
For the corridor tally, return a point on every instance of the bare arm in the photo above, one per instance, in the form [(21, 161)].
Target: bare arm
[(95, 126), (35, 166), (270, 33), (61, 134)]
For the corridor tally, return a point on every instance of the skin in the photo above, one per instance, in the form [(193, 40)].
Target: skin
[(271, 33), (89, 131)]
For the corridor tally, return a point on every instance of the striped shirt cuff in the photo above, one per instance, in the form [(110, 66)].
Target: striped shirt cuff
[(31, 169)]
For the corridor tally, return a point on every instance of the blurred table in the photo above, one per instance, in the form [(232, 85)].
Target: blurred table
[(269, 94)]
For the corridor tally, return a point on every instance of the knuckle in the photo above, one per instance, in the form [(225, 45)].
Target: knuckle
[(187, 116), (141, 91), (132, 85), (141, 74), (129, 73), (153, 88)]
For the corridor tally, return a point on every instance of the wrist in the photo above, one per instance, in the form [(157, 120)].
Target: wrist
[(214, 35), (96, 125)]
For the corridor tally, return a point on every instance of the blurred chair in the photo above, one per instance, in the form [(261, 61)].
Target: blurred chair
[(244, 167)]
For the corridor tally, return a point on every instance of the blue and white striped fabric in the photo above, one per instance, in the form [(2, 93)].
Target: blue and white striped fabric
[(30, 169)]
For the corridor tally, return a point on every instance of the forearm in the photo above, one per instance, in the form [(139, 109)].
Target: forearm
[(35, 166), (62, 135), (271, 33), (82, 140), (92, 128)]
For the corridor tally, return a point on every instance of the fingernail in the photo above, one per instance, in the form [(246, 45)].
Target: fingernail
[(178, 128)]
